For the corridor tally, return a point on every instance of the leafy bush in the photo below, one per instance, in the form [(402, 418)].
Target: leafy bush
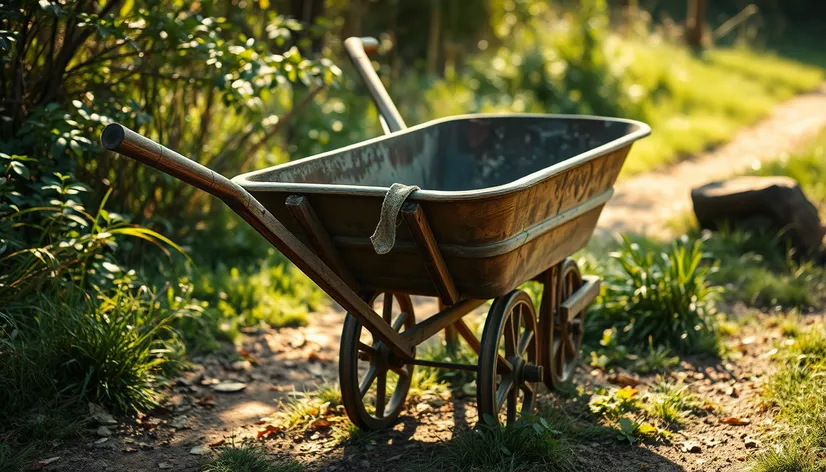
[(662, 298)]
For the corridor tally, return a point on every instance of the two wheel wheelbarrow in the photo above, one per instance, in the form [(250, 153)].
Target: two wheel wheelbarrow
[(498, 200)]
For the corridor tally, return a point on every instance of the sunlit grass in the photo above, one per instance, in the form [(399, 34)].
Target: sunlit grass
[(693, 103), (798, 393), (671, 403)]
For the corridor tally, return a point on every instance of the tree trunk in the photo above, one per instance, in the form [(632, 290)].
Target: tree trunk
[(433, 40), (695, 21)]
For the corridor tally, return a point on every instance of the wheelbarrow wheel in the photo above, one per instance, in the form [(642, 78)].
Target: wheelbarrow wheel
[(374, 384), (566, 334), (507, 373)]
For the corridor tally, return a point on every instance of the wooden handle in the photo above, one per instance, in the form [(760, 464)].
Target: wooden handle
[(126, 142), (357, 49)]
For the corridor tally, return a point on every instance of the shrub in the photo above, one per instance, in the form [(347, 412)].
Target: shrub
[(663, 298)]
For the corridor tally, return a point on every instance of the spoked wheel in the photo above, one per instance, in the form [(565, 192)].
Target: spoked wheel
[(374, 384), (507, 372), (566, 339)]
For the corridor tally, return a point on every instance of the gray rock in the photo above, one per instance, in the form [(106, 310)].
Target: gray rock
[(767, 203)]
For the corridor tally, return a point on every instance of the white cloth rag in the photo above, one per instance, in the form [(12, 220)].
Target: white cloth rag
[(384, 238)]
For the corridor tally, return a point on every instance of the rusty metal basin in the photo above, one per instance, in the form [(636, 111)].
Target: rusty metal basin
[(507, 196)]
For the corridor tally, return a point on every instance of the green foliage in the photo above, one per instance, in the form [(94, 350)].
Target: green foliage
[(611, 353), (249, 458), (198, 77), (659, 299), (807, 167), (113, 350), (272, 291), (306, 407), (615, 403), (689, 117)]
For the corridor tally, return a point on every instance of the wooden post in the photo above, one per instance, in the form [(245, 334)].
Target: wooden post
[(429, 250)]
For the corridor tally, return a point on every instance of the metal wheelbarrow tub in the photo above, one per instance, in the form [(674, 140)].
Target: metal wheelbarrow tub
[(506, 196)]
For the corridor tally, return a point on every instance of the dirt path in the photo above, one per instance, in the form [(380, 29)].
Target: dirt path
[(644, 203)]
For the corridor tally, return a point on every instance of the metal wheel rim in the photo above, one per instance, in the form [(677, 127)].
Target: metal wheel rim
[(498, 389), (354, 388)]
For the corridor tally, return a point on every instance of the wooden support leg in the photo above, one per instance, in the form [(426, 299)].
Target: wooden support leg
[(426, 242), (451, 336), (318, 237)]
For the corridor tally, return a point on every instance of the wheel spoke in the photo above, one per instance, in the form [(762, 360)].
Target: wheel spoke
[(570, 349), (512, 399), (527, 387), (368, 380), (510, 336), (387, 309), (502, 391), (381, 389), (559, 355), (527, 337), (400, 370), (505, 365), (368, 349), (397, 325)]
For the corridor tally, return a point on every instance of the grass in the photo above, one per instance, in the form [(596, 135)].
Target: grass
[(305, 407), (763, 269), (808, 167), (671, 403), (249, 458), (798, 395), (538, 442), (116, 350), (659, 298), (689, 117)]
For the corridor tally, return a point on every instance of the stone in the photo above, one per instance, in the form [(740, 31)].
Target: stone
[(760, 203)]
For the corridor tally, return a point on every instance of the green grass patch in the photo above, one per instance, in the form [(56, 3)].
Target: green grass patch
[(535, 442), (688, 113), (671, 403), (658, 298), (249, 458), (798, 393)]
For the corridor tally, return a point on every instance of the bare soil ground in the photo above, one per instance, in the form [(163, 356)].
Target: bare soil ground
[(196, 417), (287, 360)]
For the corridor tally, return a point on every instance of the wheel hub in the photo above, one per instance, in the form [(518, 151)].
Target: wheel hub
[(524, 371)]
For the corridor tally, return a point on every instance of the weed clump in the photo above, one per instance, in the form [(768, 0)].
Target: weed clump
[(659, 299)]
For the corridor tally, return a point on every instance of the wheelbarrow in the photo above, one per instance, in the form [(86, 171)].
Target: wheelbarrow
[(480, 204)]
